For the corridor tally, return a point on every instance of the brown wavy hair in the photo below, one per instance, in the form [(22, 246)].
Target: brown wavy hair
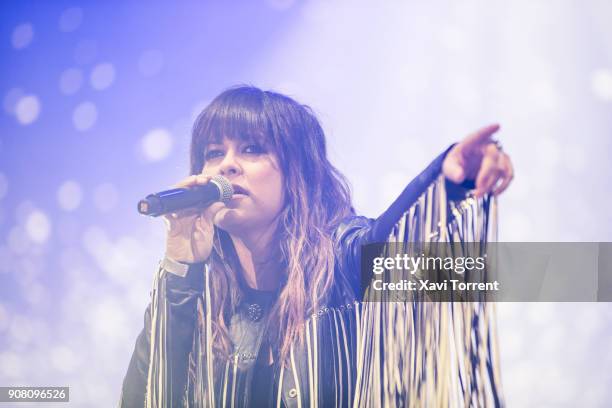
[(317, 198)]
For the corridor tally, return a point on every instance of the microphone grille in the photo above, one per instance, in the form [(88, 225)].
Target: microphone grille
[(225, 187)]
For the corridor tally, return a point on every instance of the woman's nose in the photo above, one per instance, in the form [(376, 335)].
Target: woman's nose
[(229, 166)]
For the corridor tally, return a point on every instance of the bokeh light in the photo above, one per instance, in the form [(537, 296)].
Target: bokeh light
[(38, 226), (22, 36), (84, 116), (70, 19), (69, 195), (601, 84), (27, 109), (102, 76), (156, 144)]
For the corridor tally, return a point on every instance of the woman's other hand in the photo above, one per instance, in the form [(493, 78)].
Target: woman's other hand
[(478, 157), (190, 232)]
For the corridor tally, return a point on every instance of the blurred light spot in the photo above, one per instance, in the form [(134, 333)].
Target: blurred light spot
[(280, 4), (70, 19), (601, 84), (85, 52), (84, 116), (151, 63), (64, 359), (27, 109), (38, 226), (71, 81), (3, 185), (11, 98), (156, 144), (102, 76), (18, 241), (69, 195), (22, 36), (105, 197)]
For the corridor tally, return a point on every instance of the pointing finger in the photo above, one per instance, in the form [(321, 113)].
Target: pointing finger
[(480, 136)]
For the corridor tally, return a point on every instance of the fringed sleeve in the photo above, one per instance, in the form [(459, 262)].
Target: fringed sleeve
[(418, 353), (157, 373)]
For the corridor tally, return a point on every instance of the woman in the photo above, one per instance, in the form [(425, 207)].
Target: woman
[(255, 303)]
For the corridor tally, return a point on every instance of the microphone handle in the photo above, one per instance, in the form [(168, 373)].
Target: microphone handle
[(176, 199)]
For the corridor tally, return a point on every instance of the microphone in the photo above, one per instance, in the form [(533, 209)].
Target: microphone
[(217, 189)]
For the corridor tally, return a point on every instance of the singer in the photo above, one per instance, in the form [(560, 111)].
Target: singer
[(257, 300)]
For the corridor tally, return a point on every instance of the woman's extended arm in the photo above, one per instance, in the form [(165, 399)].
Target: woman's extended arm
[(476, 162)]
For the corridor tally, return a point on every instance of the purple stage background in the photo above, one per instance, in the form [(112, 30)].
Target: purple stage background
[(97, 104)]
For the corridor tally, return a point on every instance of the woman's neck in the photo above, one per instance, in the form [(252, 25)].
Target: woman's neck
[(258, 255)]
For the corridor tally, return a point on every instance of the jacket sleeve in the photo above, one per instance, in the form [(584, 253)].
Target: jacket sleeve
[(175, 293), (355, 232)]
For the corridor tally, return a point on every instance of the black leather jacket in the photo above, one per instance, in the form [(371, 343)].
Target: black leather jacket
[(322, 369)]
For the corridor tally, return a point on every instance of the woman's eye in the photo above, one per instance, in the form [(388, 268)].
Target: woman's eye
[(211, 154), (254, 149)]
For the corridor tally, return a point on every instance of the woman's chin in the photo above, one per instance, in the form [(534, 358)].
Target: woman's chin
[(229, 219)]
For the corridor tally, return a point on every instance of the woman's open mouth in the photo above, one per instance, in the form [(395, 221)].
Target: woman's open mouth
[(239, 190)]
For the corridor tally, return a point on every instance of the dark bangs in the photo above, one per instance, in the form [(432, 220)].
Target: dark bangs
[(236, 114)]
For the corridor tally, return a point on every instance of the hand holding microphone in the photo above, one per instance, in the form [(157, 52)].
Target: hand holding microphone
[(188, 211), (187, 195)]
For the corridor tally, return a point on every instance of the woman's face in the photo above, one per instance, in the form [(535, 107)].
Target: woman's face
[(256, 177)]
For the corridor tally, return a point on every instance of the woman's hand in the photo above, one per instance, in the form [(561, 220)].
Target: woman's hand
[(190, 232), (477, 157)]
